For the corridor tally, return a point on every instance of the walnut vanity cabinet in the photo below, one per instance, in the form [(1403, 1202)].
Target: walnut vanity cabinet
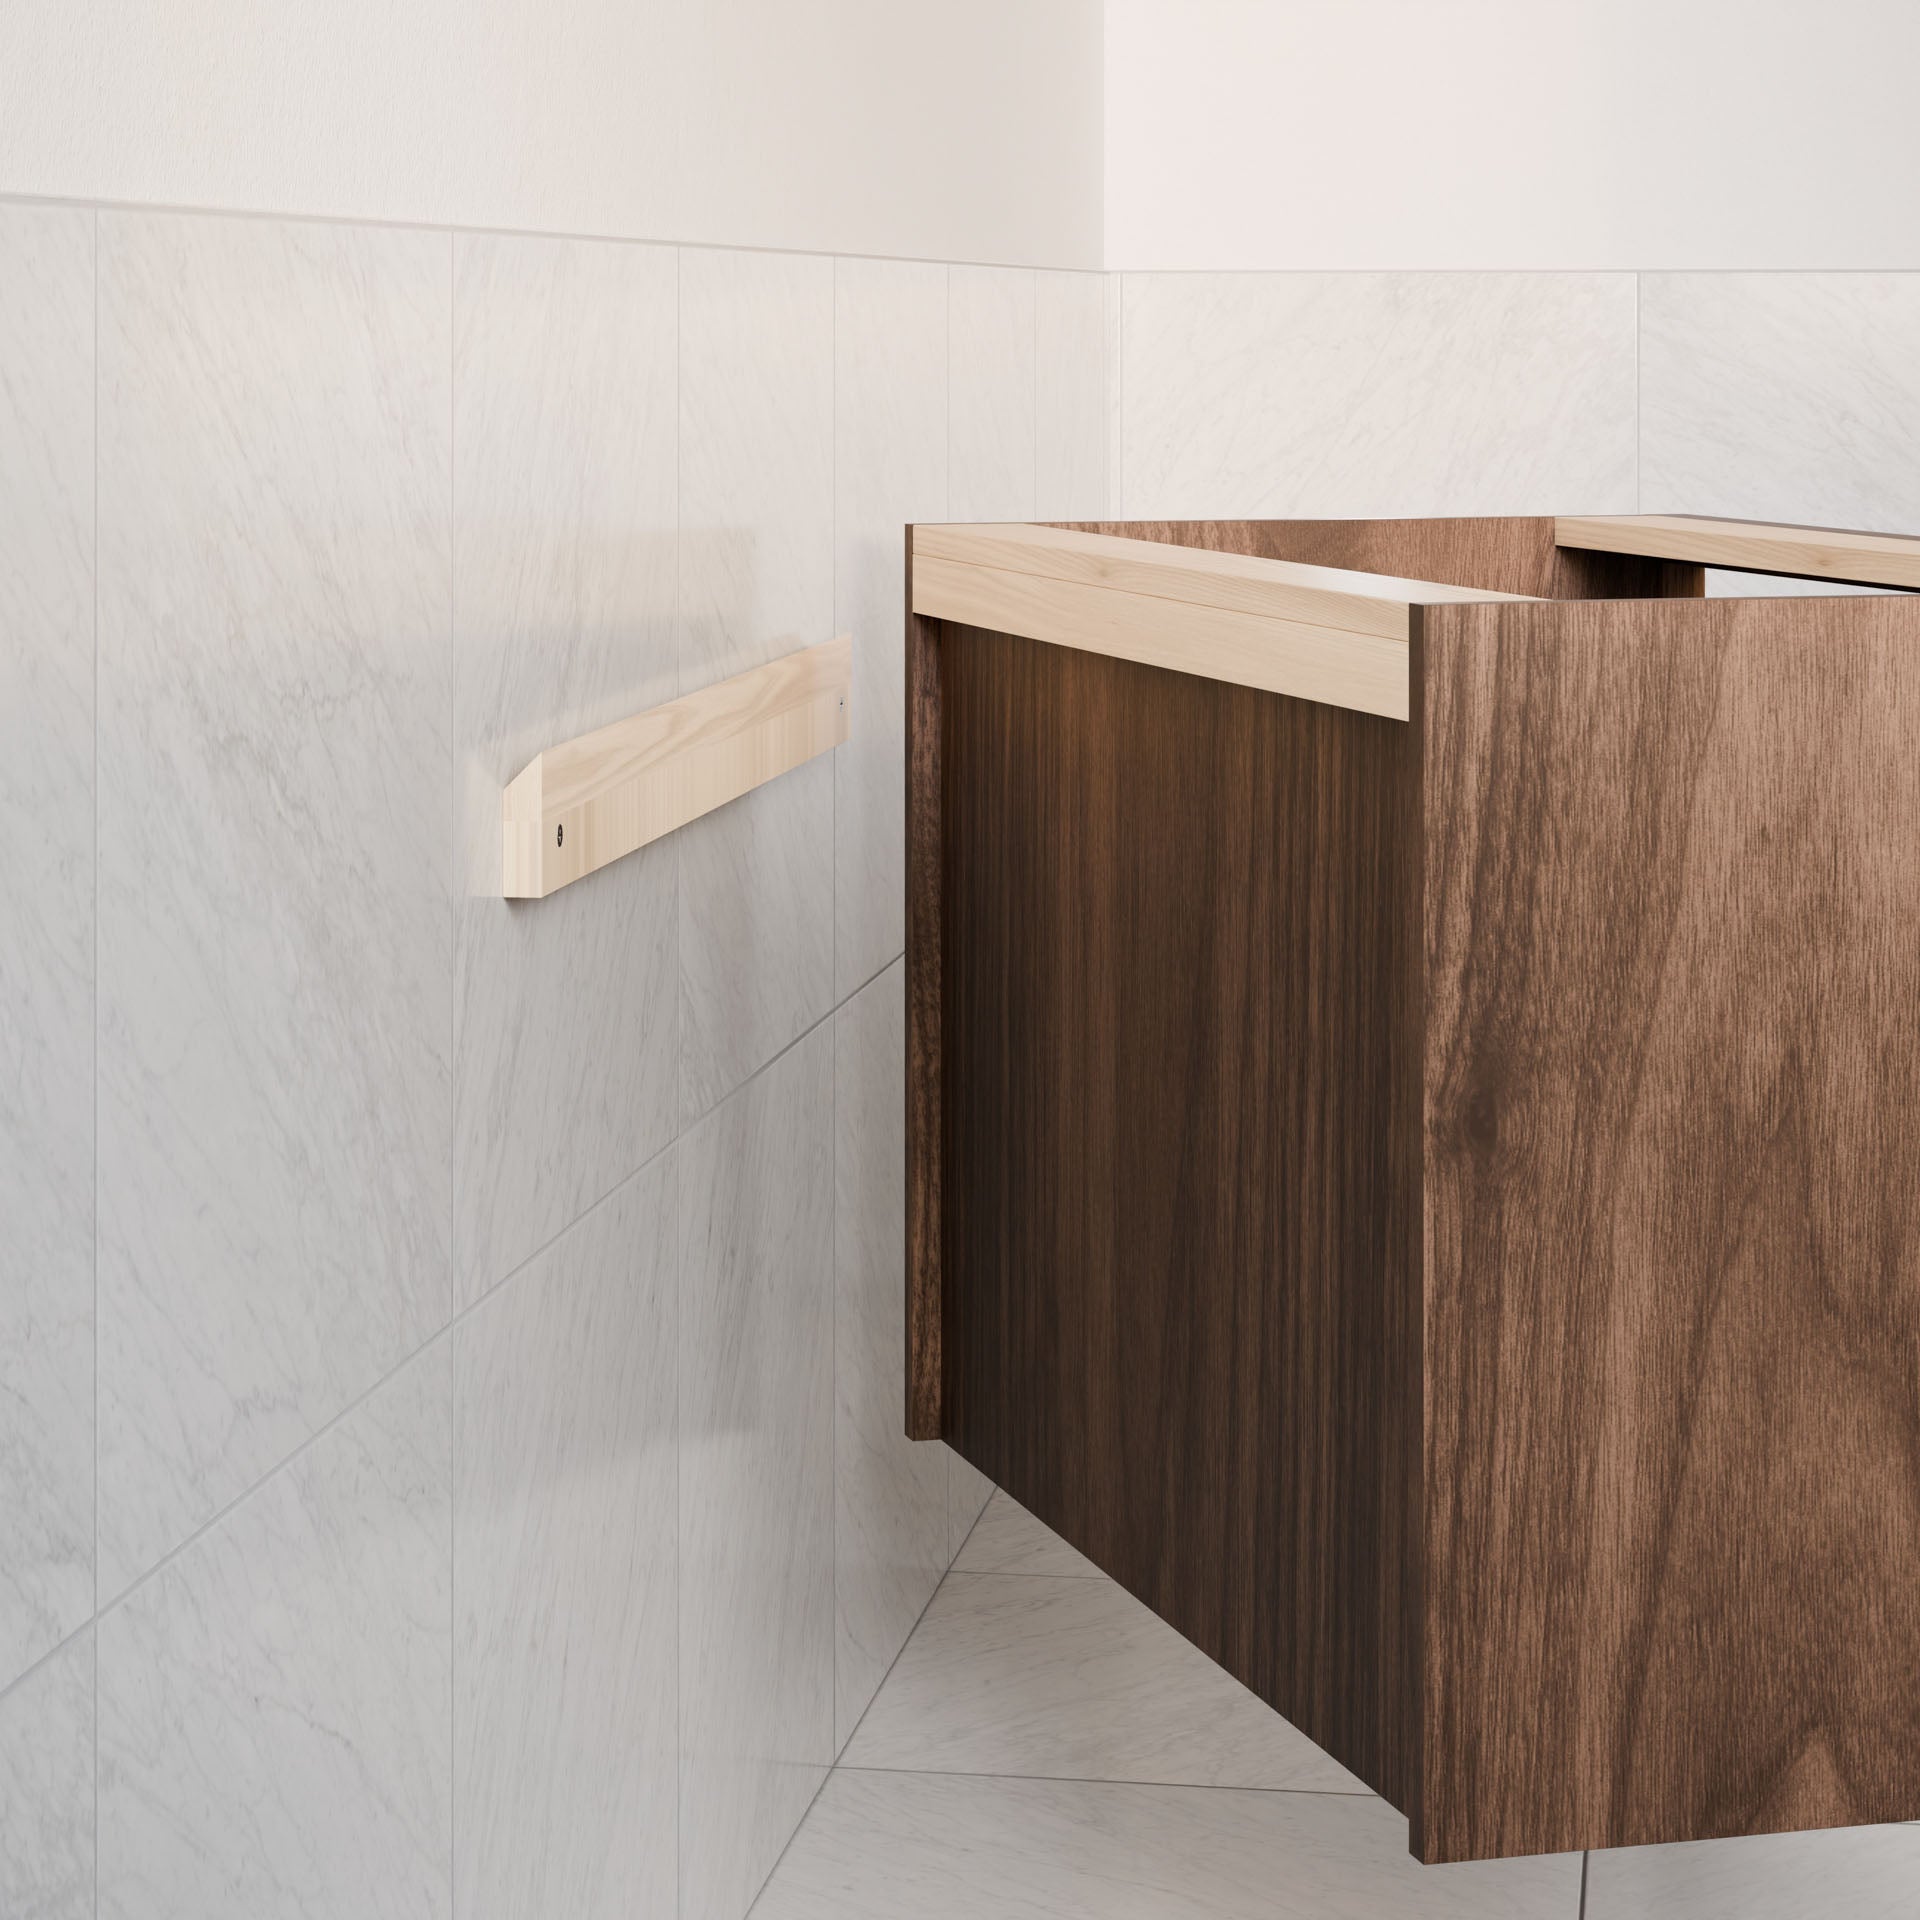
[(1414, 1136)]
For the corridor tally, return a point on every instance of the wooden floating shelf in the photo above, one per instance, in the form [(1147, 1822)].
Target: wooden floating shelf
[(581, 805), (1751, 546), (1411, 1136)]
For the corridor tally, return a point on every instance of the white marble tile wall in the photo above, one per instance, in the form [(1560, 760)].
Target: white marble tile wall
[(275, 1704), (1333, 394), (756, 580), (46, 931), (890, 467), (992, 402), (275, 659), (756, 1475), (566, 464), (1782, 396), (1070, 396), (565, 1573), (568, 1608), (890, 1522), (46, 1787)]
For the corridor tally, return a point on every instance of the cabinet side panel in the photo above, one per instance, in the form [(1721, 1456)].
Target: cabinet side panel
[(1672, 1228), (1178, 1273), (923, 931)]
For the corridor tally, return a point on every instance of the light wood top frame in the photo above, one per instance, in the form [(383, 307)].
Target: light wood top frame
[(590, 801), (1317, 633), (1750, 546)]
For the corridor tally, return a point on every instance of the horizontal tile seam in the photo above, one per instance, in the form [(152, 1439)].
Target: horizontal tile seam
[(188, 209), (205, 210), (1101, 1780)]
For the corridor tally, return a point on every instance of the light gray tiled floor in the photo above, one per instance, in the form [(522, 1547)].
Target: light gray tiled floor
[(1045, 1749)]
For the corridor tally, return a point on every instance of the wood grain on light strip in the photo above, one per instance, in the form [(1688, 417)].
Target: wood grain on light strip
[(1316, 633), (1752, 546), (587, 802)]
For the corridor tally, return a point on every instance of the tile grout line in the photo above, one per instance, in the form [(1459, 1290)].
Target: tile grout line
[(456, 893), (1099, 1780), (1639, 482), (836, 1765), (678, 630), (833, 1075), (181, 209), (460, 1315), (94, 1619)]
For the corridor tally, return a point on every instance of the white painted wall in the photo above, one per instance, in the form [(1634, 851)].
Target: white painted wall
[(1511, 133), (855, 126)]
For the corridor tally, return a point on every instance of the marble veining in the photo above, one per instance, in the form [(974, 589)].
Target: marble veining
[(895, 1846), (756, 581), (991, 403), (565, 619), (46, 1788), (1859, 1873), (46, 930), (1331, 394), (890, 1516), (1074, 1678), (756, 1475), (565, 1574), (1070, 396), (890, 467), (274, 1702), (1008, 1539), (274, 1077), (1782, 396)]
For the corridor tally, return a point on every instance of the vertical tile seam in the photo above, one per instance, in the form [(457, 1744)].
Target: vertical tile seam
[(455, 894), (833, 1075), (677, 628), (93, 1622), (1120, 398), (1033, 494), (1639, 491)]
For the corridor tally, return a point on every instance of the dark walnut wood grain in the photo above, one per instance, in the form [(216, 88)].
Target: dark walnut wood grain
[(1672, 1172), (924, 1085), (1178, 1273), (1433, 1208)]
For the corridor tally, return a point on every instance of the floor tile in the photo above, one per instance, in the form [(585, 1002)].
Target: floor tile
[(1008, 1539), (935, 1847), (1850, 1873), (1075, 1679)]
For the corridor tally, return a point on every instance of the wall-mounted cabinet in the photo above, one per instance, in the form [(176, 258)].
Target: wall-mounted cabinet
[(1414, 1137)]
